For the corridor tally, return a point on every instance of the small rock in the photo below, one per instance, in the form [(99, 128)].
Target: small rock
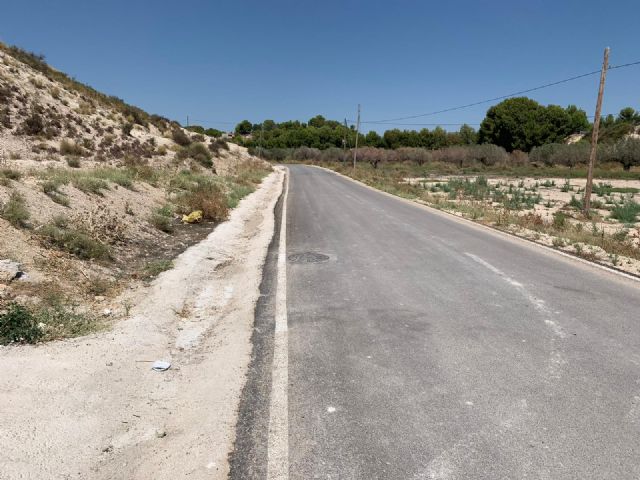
[(109, 364), (99, 298), (107, 449), (107, 312), (161, 433), (9, 270)]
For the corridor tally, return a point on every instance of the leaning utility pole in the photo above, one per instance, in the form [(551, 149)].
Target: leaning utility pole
[(355, 151), (594, 135)]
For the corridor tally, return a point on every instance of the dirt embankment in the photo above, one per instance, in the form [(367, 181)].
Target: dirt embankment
[(91, 407)]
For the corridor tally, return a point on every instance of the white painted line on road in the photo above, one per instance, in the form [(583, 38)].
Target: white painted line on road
[(278, 447), (537, 303)]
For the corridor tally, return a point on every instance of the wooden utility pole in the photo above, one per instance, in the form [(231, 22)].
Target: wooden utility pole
[(594, 135), (344, 139), (355, 151), (261, 138)]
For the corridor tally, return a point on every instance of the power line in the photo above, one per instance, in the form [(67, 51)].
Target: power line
[(502, 97)]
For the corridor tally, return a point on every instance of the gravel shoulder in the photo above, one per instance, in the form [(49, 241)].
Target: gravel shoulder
[(91, 407)]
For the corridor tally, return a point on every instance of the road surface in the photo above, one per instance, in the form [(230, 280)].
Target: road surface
[(423, 347)]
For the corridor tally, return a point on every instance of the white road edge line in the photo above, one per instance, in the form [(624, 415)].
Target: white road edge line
[(278, 446)]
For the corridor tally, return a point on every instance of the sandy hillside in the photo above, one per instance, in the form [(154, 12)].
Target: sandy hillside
[(92, 190)]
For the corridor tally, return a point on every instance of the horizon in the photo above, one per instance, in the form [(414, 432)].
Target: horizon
[(218, 74)]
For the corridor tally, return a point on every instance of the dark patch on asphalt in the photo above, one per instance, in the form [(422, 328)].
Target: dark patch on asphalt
[(569, 289), (248, 460), (308, 257)]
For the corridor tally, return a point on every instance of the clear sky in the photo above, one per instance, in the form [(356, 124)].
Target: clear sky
[(292, 59)]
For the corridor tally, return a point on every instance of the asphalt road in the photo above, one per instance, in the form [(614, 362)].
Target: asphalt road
[(424, 347)]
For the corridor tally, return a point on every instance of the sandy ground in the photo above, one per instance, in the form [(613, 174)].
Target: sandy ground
[(92, 407)]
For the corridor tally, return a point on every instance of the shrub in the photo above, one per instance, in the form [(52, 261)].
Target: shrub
[(33, 125), (10, 174), (200, 153), (58, 322), (69, 147), (74, 241), (73, 162), (15, 211), (126, 129), (627, 152), (90, 184), (208, 198), (217, 145), (180, 138), (559, 220), (162, 219), (156, 267), (50, 188), (306, 153), (18, 325), (626, 212), (122, 177)]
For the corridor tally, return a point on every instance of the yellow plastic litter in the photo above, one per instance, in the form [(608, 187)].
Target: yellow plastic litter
[(193, 217)]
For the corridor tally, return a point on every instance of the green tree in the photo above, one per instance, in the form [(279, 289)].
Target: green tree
[(522, 123), (317, 121), (244, 127), (628, 115), (468, 135), (373, 139)]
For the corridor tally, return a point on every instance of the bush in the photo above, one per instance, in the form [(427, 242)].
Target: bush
[(18, 325), (33, 125), (156, 267), (15, 211), (180, 138), (559, 220), (73, 162), (626, 212), (200, 153), (209, 199), (627, 152), (50, 188), (162, 219), (217, 145), (306, 153), (69, 147), (10, 174), (74, 241), (90, 184)]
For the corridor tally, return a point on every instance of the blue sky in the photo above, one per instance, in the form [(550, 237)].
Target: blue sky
[(283, 59)]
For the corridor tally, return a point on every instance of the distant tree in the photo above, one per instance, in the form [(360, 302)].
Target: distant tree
[(244, 127), (521, 123), (195, 128), (317, 121), (468, 135), (627, 152), (213, 132), (373, 139), (628, 115), (269, 125)]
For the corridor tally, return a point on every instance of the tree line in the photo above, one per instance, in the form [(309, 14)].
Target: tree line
[(515, 124)]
